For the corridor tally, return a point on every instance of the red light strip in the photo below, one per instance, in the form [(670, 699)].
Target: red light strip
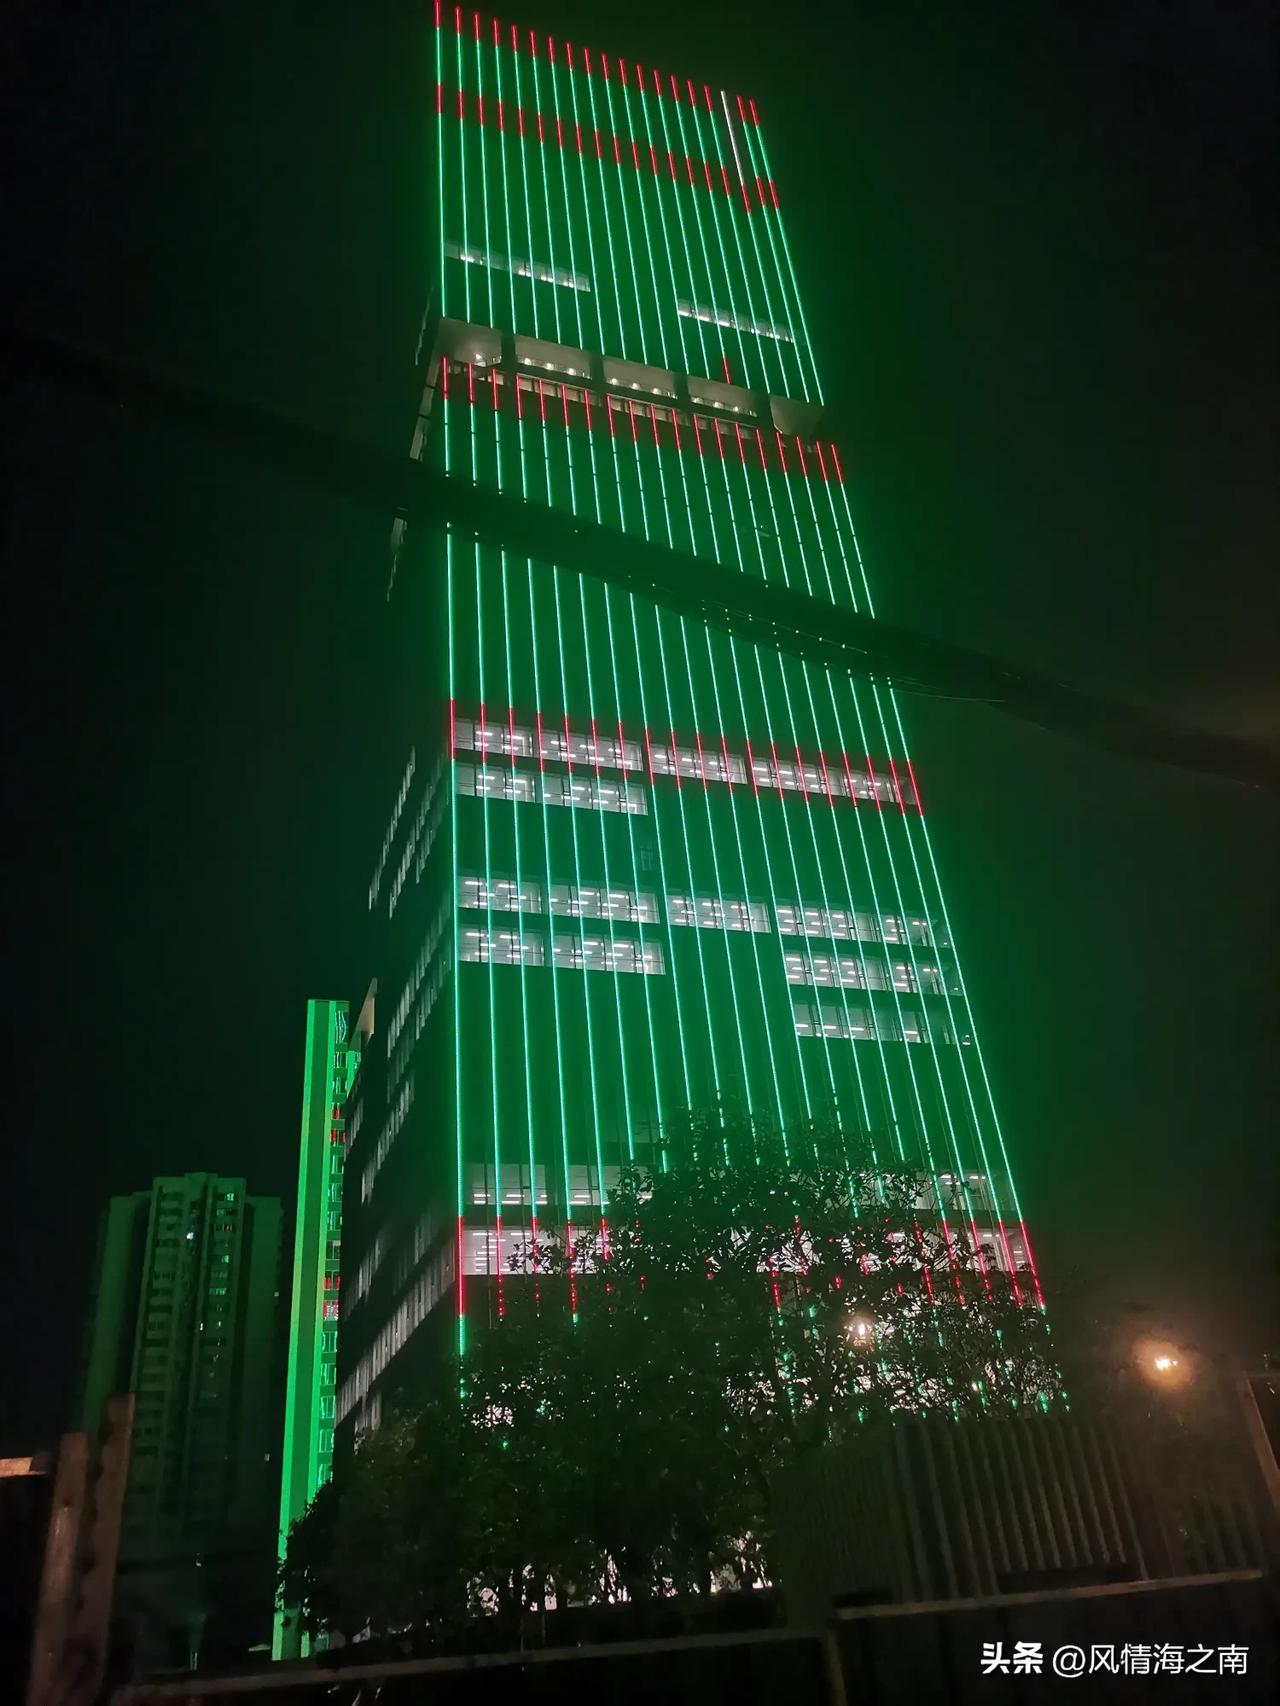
[(480, 26), (549, 130), (696, 743), (1031, 1263), (915, 787), (771, 451), (874, 790)]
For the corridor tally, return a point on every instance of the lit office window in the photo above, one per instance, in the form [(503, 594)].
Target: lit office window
[(493, 737), (496, 784), (817, 921), (846, 926), (572, 901), (597, 953), (738, 322), (710, 764), (499, 894), (710, 913), (594, 794), (482, 1191), (542, 271), (915, 931), (557, 744), (859, 1024), (829, 970), (910, 980), (591, 793), (570, 747), (502, 948), (831, 779)]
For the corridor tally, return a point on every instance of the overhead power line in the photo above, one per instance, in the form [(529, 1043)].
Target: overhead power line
[(834, 636)]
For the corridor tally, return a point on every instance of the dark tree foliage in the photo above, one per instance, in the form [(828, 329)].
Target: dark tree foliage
[(752, 1294)]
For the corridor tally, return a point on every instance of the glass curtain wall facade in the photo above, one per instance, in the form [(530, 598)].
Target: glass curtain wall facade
[(635, 865)]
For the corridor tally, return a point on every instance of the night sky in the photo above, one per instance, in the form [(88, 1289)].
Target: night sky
[(1034, 244)]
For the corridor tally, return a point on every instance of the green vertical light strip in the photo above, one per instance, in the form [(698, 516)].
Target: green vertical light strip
[(501, 151), (648, 248), (767, 174), (604, 592), (753, 652), (592, 1055), (531, 1147), (608, 273), (625, 345), (678, 196), (725, 933), (806, 675), (734, 214), (569, 221), (727, 293), (682, 629), (604, 838), (543, 809), (659, 191), (775, 659), (664, 922), (546, 200), (852, 904), (774, 724), (654, 793), (747, 886), (593, 702), (944, 1099), (874, 898), (482, 148), (520, 914), (647, 239), (693, 885), (451, 595), (699, 226), (977, 1122), (298, 1449), (443, 271), (716, 1075), (452, 645), (462, 178), (754, 372), (799, 345), (482, 760), (557, 1016), (483, 757), (556, 595)]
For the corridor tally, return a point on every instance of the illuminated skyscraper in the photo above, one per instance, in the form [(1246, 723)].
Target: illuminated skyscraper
[(306, 1460), (634, 865)]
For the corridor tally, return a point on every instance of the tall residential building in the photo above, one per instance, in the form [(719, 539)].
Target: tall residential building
[(633, 864), (306, 1459), (185, 1315)]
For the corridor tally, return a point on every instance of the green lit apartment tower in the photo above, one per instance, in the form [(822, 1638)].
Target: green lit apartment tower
[(306, 1458), (633, 865), (185, 1314)]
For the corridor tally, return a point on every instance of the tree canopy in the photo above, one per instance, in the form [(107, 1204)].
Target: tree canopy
[(748, 1294)]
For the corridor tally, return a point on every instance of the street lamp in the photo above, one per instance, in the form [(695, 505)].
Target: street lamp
[(862, 1327), (1162, 1364)]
